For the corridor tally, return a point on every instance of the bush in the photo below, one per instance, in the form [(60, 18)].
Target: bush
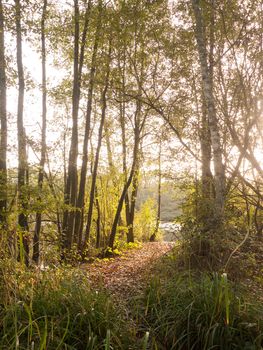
[(145, 220)]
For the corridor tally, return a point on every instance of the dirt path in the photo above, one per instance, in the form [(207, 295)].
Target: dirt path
[(127, 274)]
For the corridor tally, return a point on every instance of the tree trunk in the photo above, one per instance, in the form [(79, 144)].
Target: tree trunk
[(3, 121), (76, 216), (124, 145), (53, 191), (205, 137), (36, 238), (72, 176), (207, 178), (130, 204), (22, 157), (83, 174), (109, 152), (120, 204), (135, 184), (96, 161), (98, 230), (211, 112), (158, 216), (124, 191)]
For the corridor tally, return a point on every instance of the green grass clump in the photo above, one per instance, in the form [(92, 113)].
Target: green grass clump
[(56, 309), (200, 313)]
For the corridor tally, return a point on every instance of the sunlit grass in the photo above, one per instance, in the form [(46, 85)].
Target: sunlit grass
[(58, 310), (202, 312)]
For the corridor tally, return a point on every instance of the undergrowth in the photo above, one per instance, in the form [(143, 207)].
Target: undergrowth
[(189, 309), (183, 308), (56, 309)]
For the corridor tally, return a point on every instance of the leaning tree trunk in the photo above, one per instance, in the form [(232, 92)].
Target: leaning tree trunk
[(123, 139), (36, 238), (211, 112), (22, 157), (138, 125), (3, 121), (124, 191), (119, 208)]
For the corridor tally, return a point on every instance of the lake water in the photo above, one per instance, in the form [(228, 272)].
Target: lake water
[(170, 230)]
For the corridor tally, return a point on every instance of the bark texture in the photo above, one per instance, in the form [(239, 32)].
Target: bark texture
[(21, 137), (207, 84)]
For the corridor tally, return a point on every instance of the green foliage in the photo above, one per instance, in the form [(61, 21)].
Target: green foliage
[(200, 313), (109, 252), (145, 220), (126, 246), (118, 250)]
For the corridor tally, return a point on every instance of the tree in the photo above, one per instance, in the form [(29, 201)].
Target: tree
[(97, 155), (36, 238), (79, 219), (21, 136), (72, 174), (158, 216), (3, 120), (207, 85)]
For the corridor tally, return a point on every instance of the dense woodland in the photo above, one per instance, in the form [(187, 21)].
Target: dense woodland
[(115, 117)]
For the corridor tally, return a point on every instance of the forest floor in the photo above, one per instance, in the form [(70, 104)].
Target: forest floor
[(127, 274)]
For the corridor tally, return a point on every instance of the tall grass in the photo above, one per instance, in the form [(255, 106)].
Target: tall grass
[(191, 313), (58, 310)]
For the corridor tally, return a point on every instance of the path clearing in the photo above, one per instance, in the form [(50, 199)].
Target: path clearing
[(128, 273)]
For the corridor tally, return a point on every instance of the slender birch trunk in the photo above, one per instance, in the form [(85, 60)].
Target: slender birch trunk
[(211, 112), (21, 136)]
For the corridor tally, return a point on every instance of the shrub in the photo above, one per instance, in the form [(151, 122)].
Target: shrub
[(145, 220)]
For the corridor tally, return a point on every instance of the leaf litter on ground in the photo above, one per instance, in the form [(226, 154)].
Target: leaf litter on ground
[(127, 275)]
